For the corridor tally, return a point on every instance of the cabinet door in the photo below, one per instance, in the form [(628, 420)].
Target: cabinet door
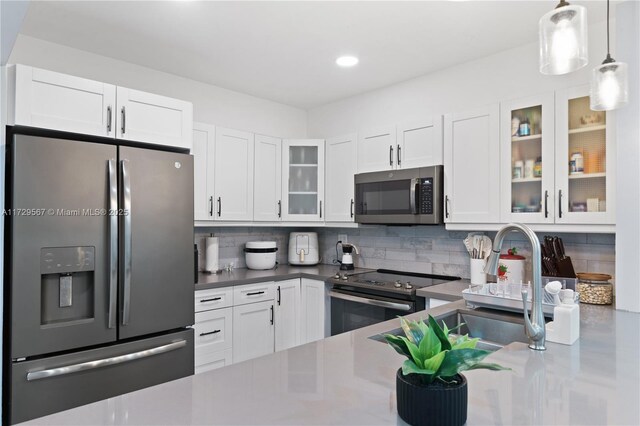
[(303, 179), (267, 201), (313, 311), (419, 143), (253, 330), (585, 160), (341, 167), (471, 160), (377, 149), (233, 175), (202, 151), (287, 314), (527, 152), (146, 117), (213, 330), (51, 100), (206, 361)]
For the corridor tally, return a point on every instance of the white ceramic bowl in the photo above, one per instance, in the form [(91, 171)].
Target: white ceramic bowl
[(260, 254)]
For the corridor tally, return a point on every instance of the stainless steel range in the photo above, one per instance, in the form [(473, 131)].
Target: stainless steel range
[(365, 298)]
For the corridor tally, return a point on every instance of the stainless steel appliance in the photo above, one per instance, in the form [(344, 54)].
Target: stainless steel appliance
[(407, 197), (366, 298), (99, 271)]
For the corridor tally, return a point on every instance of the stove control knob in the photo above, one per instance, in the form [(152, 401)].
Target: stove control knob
[(408, 285), (336, 276), (397, 284), (344, 277)]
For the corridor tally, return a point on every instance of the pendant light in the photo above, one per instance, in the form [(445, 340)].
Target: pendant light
[(563, 39), (609, 82)]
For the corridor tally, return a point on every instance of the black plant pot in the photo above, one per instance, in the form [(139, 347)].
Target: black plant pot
[(433, 404)]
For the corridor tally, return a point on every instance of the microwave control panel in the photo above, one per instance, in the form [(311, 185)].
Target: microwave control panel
[(426, 196)]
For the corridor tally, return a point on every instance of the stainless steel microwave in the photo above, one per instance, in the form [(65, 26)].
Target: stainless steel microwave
[(403, 197)]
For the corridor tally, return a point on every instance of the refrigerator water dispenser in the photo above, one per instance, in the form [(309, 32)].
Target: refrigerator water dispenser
[(67, 284)]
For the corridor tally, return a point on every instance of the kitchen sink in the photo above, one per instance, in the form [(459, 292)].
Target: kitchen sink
[(494, 333)]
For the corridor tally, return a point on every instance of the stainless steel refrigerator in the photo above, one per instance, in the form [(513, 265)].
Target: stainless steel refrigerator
[(99, 285)]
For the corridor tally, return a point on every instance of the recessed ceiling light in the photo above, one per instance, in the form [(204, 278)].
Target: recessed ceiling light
[(347, 61)]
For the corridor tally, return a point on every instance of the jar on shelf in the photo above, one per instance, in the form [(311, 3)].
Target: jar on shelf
[(537, 168), (595, 289)]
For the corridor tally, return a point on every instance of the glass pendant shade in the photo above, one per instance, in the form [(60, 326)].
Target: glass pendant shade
[(563, 40), (609, 86)]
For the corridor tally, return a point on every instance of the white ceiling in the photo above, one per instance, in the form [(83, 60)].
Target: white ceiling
[(285, 51)]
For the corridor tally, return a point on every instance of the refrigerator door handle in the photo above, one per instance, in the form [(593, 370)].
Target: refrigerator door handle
[(126, 204), (113, 243), (99, 363)]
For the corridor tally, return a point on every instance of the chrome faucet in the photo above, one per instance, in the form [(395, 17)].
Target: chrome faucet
[(534, 327)]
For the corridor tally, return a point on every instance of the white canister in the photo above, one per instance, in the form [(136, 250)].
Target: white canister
[(511, 269), (477, 274), (260, 254)]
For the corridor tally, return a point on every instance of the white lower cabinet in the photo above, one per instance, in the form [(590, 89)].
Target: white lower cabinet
[(206, 361), (253, 331), (213, 339), (313, 311), (287, 314)]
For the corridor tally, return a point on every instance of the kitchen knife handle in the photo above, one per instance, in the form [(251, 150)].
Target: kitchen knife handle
[(391, 155), (126, 230), (546, 204), (113, 243), (351, 209), (399, 154), (219, 206), (560, 203), (109, 118), (123, 115)]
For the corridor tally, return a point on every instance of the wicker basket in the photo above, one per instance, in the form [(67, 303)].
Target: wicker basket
[(595, 289)]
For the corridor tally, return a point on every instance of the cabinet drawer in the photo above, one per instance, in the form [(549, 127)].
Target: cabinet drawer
[(207, 360), (251, 293), (213, 329), (214, 298)]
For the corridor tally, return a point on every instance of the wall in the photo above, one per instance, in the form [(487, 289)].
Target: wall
[(211, 104), (506, 75)]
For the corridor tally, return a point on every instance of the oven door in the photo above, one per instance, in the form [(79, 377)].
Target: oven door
[(350, 311)]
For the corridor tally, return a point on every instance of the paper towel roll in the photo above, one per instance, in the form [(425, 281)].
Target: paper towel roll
[(211, 254)]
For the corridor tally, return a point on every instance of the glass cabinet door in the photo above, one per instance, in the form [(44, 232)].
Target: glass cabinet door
[(304, 179), (584, 152), (527, 151)]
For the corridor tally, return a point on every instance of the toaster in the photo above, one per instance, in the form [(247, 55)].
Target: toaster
[(303, 248)]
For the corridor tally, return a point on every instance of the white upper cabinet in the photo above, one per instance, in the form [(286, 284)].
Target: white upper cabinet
[(339, 173), (287, 314), (267, 189), (155, 119), (203, 151), (585, 160), (527, 160), (233, 175), (419, 143), (471, 166), (50, 100), (377, 149), (303, 179)]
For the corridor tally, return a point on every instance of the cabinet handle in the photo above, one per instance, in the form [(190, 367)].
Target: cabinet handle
[(320, 209), (271, 314), (391, 155), (213, 299), (279, 295), (279, 208), (560, 203), (399, 155), (109, 117), (219, 206), (211, 206), (351, 210), (123, 115), (446, 206), (546, 206), (206, 333), (255, 293)]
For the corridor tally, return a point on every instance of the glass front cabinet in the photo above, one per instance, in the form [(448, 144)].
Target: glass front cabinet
[(303, 179), (585, 160)]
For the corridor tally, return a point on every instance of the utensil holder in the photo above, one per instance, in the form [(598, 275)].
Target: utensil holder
[(478, 276)]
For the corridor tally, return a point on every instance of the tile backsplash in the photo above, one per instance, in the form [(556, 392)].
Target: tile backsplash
[(426, 249)]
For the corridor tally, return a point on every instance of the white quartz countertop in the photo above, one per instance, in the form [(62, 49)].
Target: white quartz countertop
[(349, 379)]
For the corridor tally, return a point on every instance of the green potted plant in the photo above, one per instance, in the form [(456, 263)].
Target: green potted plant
[(429, 387)]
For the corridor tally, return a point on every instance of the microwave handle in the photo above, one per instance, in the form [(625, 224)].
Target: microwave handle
[(415, 183)]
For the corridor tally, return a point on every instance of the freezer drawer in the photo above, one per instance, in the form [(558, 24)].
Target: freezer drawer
[(48, 385)]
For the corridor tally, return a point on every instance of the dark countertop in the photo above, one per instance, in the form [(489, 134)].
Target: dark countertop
[(450, 291), (282, 272)]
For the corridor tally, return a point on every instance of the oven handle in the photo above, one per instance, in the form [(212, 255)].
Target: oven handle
[(412, 195), (373, 302)]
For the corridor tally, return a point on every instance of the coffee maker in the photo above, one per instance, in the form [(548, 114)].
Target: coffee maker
[(346, 264)]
